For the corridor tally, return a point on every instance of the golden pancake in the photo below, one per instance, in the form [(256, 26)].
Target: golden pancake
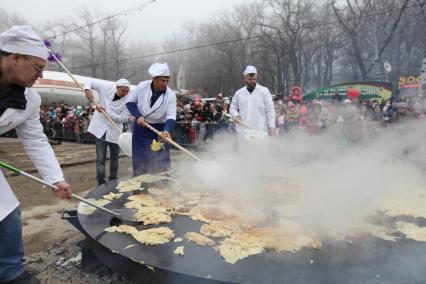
[(199, 239)]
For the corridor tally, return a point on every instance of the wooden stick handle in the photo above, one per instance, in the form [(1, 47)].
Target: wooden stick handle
[(173, 143), (81, 88), (245, 124)]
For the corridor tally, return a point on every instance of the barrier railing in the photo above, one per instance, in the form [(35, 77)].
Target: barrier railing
[(68, 132), (194, 133), (184, 133)]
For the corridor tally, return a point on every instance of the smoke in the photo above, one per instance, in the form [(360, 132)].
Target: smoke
[(327, 182)]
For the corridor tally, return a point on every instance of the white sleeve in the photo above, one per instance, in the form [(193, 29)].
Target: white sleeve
[(132, 97), (38, 149), (97, 85), (121, 117), (171, 111), (269, 108), (233, 109), (102, 88)]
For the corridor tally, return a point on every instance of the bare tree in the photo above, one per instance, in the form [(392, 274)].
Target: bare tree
[(7, 20), (116, 32), (88, 41), (364, 27), (289, 41)]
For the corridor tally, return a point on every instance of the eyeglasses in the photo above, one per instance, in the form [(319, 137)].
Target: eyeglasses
[(38, 69)]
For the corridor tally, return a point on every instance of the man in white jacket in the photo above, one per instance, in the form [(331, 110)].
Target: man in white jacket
[(113, 102), (22, 60), (253, 105), (152, 102)]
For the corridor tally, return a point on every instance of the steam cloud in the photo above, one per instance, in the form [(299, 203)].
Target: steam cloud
[(337, 177)]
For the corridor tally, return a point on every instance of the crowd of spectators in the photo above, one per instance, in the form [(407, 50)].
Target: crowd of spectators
[(61, 121), (199, 119), (203, 111), (293, 112), (194, 118)]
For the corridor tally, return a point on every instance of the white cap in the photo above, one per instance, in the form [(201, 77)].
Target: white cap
[(122, 83), (250, 70), (158, 69), (23, 40)]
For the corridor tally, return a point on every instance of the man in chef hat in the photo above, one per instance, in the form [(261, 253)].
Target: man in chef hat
[(22, 61), (152, 102), (253, 105), (112, 100)]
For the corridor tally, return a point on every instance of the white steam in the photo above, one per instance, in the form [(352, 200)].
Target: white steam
[(331, 183)]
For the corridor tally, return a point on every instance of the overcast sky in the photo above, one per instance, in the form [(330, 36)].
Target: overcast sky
[(155, 22)]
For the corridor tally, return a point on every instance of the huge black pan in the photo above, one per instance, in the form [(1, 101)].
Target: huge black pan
[(364, 260)]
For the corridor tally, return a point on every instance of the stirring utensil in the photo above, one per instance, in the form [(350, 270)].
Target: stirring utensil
[(118, 213)]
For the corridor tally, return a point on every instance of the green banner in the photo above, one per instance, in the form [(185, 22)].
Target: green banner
[(361, 90)]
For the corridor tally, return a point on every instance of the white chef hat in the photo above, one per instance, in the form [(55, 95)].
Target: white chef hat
[(158, 69), (122, 83), (250, 70), (23, 40)]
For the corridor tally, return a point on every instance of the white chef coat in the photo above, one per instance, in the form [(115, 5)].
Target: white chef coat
[(117, 110), (256, 108), (163, 109), (30, 134)]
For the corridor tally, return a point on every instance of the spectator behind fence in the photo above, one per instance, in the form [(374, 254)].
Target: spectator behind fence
[(193, 126)]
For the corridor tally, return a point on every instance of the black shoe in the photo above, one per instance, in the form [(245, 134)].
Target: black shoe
[(24, 278)]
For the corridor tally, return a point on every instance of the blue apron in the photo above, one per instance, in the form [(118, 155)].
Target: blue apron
[(144, 159)]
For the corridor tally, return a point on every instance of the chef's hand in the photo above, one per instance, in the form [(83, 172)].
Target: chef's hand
[(165, 134), (63, 190), (141, 121), (271, 131), (237, 119), (100, 109), (89, 95)]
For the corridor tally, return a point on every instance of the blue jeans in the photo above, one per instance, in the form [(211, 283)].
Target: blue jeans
[(101, 153), (11, 247)]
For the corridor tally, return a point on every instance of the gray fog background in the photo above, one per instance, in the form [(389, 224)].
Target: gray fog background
[(154, 22)]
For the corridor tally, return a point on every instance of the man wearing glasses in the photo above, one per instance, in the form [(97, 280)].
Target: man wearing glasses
[(112, 101), (22, 60)]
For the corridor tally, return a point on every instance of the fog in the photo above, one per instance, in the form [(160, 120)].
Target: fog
[(142, 23)]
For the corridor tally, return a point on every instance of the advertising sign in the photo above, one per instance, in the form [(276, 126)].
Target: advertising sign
[(356, 90)]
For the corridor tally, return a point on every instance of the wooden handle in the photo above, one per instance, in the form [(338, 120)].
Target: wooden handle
[(245, 124), (81, 88), (173, 142)]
